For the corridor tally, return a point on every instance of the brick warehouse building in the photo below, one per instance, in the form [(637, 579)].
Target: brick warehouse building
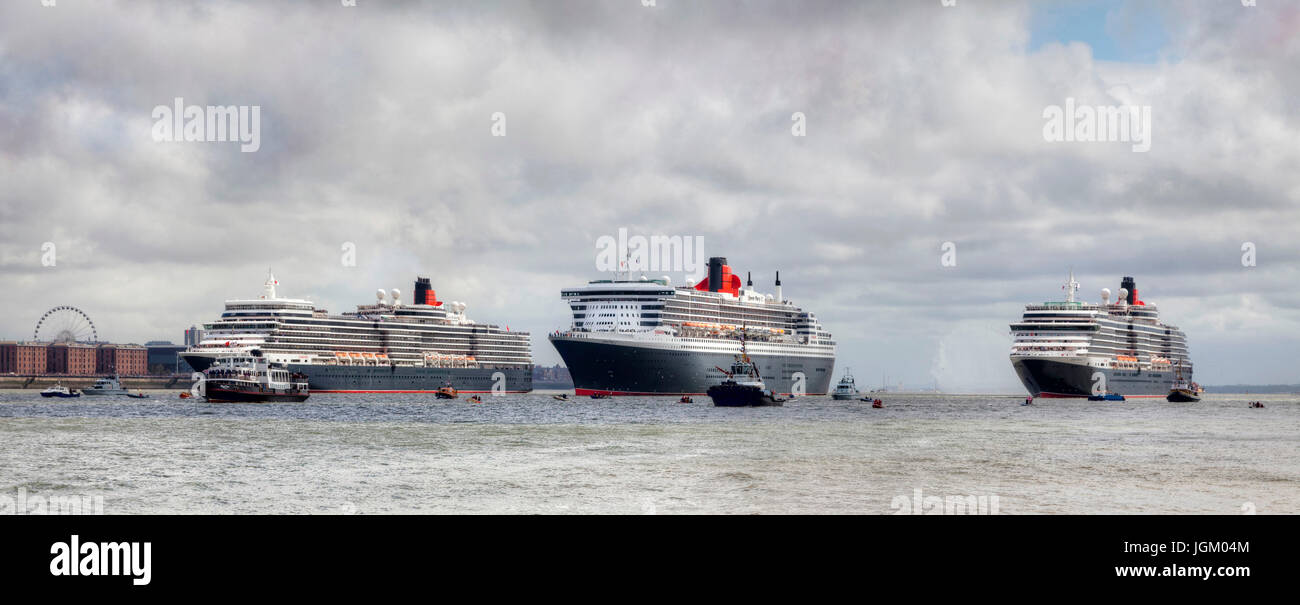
[(127, 360), (73, 359), (23, 358)]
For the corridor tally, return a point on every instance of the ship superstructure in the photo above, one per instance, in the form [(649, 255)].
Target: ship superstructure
[(386, 346), (647, 337), (1076, 349)]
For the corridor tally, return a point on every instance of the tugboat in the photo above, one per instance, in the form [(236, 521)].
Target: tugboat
[(59, 390), (108, 385), (743, 387), (1183, 391), (446, 392), (846, 389), (252, 379)]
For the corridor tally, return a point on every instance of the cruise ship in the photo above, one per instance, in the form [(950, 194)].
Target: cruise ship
[(647, 337), (384, 347), (1077, 349)]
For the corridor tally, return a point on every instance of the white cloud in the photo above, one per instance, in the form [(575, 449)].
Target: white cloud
[(924, 126)]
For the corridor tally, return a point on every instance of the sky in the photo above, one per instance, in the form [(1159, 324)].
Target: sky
[(923, 126)]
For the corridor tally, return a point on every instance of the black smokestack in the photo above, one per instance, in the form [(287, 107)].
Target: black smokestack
[(715, 273), (1128, 284), (749, 279), (422, 290), (778, 278)]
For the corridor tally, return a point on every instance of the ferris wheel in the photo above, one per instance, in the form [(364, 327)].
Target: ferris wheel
[(65, 324)]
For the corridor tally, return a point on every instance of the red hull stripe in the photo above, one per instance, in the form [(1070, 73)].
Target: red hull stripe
[(1064, 396), (458, 391), (581, 392)]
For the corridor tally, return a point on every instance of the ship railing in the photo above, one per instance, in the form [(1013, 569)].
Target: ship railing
[(1063, 306)]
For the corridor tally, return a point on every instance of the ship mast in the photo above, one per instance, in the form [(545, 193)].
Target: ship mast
[(1070, 288), (268, 288)]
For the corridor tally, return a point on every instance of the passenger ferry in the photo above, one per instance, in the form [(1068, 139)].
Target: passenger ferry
[(252, 379)]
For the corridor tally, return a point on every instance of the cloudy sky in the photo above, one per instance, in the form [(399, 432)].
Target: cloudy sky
[(924, 125)]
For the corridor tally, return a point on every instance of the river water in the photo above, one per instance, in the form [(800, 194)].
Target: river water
[(532, 454)]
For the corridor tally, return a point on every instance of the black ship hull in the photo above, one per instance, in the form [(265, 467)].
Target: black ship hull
[(403, 379), (607, 368), (1057, 378), (398, 379)]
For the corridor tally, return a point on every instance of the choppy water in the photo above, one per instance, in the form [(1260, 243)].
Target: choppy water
[(532, 454)]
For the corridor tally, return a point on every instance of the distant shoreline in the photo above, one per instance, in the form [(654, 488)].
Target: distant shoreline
[(1249, 389)]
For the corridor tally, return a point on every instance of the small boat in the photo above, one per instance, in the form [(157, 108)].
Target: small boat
[(252, 379), (185, 395), (846, 389), (1028, 401), (1256, 404), (877, 404), (137, 396), (59, 390), (1106, 397), (564, 397), (685, 399), (476, 399), (599, 396), (108, 385), (445, 392)]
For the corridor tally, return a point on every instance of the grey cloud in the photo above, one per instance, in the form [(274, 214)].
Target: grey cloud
[(924, 126)]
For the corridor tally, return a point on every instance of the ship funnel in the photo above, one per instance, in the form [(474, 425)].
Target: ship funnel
[(749, 279), (424, 294), (1131, 287), (715, 273), (779, 298)]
